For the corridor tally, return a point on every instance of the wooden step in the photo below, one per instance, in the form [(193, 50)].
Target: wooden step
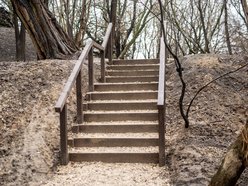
[(134, 67), (120, 116), (120, 127), (115, 154), (121, 79), (126, 86), (112, 142), (132, 72), (121, 105), (135, 62), (114, 157), (124, 95)]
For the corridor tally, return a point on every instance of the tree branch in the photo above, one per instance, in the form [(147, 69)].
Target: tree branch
[(178, 68), (223, 75)]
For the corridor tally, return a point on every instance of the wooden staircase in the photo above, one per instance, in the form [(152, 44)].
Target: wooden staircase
[(120, 116), (123, 119)]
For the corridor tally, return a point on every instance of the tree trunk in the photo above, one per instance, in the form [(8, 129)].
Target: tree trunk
[(49, 39), (205, 32), (245, 9), (80, 34), (20, 36), (113, 17), (234, 163), (228, 42)]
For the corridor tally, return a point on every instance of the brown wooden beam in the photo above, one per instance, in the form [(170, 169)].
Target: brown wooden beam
[(64, 157)]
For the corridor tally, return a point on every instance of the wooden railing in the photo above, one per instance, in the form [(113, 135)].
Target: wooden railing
[(76, 78), (161, 102)]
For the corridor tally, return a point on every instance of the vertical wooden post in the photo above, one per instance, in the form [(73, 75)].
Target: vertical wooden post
[(63, 136), (91, 70), (110, 48), (161, 120), (103, 79), (79, 98)]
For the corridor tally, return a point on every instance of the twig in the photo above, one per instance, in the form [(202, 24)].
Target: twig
[(178, 68), (223, 75)]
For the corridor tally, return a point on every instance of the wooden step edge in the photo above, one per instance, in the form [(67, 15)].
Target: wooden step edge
[(115, 157), (155, 111), (144, 66), (120, 123), (149, 76), (145, 101), (127, 83), (113, 142), (124, 92), (115, 128), (142, 70), (136, 60)]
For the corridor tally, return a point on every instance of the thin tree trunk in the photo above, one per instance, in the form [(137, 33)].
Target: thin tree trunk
[(49, 39), (20, 36), (80, 34), (228, 42), (234, 163), (115, 30), (67, 18), (203, 27), (245, 9)]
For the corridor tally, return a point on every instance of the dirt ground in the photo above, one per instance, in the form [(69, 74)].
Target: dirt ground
[(29, 133), (216, 117)]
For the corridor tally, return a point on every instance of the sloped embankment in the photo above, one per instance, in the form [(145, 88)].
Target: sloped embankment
[(216, 118), (28, 124)]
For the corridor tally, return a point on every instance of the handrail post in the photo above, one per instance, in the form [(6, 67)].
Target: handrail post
[(103, 79), (63, 136), (110, 48), (79, 98), (91, 70), (161, 103), (161, 120)]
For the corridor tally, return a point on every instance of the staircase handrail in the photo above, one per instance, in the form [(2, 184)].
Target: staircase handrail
[(161, 101), (76, 78)]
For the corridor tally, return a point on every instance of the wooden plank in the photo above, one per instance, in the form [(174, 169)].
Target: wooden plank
[(91, 71), (63, 136), (107, 35), (115, 142), (161, 120), (161, 86), (161, 103), (79, 98), (115, 157), (97, 46), (110, 49), (86, 50), (116, 128), (103, 78)]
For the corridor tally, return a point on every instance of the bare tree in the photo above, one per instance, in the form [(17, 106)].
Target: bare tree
[(20, 36), (198, 24), (49, 39), (228, 42)]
